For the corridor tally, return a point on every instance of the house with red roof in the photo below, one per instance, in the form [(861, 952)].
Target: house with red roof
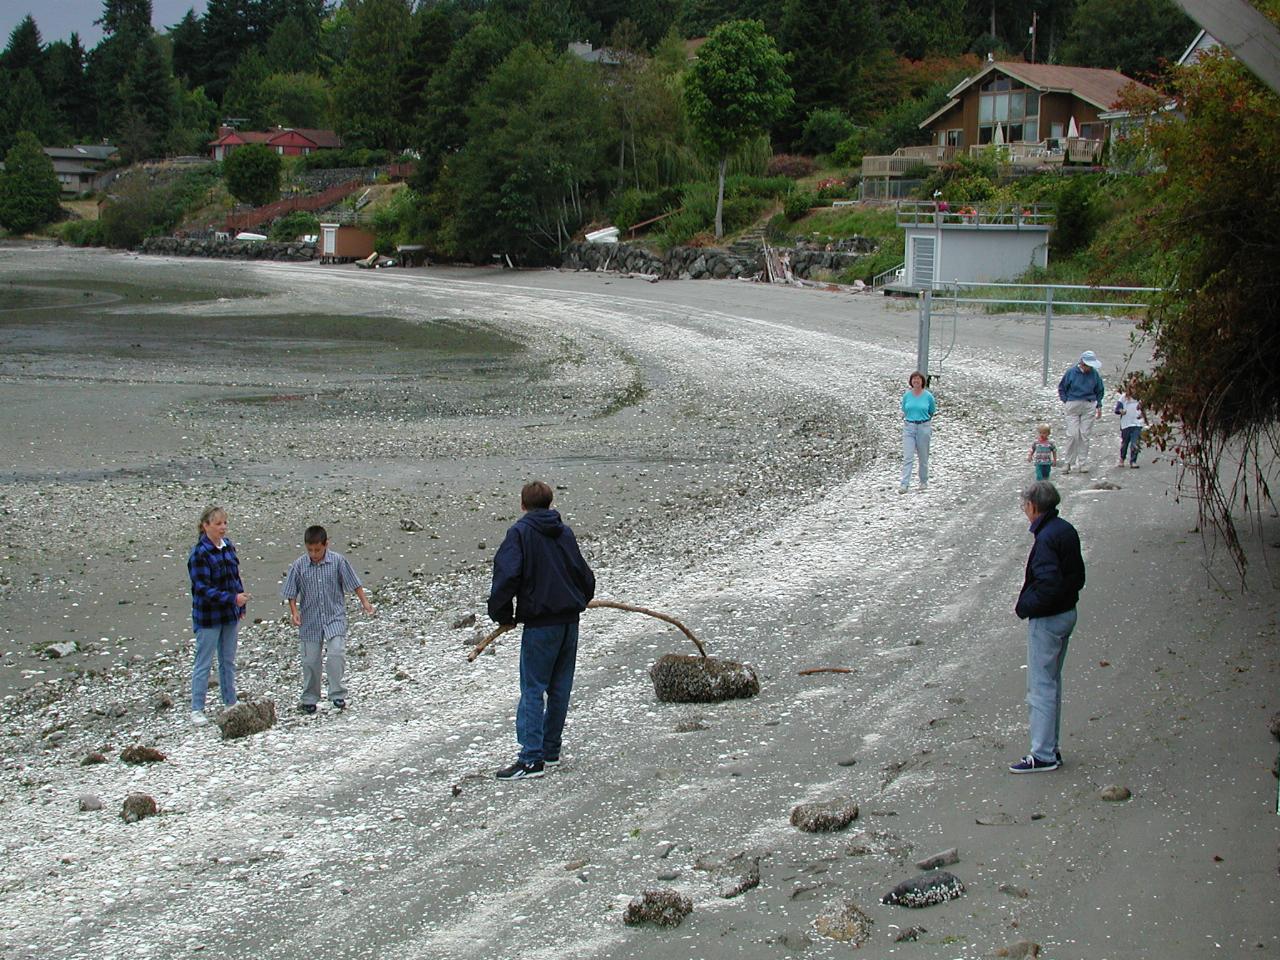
[(286, 141)]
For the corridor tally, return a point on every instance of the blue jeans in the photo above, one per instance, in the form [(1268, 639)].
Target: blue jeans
[(1047, 639), (547, 659), (221, 639), (1042, 471), (1130, 443), (915, 442)]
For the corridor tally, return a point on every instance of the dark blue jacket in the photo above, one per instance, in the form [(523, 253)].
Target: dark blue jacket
[(1078, 385), (1055, 569), (540, 567), (215, 581)]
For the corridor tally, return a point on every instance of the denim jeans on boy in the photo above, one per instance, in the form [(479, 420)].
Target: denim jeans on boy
[(915, 442), (1047, 639), (332, 654), (1130, 443), (210, 640), (1042, 471), (547, 659)]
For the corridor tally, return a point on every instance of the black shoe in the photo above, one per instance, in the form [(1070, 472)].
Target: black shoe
[(339, 704), (1057, 755), (1029, 764), (521, 771), (306, 708), (552, 761)]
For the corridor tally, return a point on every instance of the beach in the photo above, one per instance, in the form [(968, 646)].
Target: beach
[(726, 452)]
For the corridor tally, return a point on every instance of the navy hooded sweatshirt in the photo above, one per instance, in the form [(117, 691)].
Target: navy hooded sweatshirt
[(541, 569), (1055, 569)]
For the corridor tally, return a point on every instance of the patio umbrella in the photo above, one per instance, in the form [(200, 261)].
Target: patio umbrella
[(1072, 130), (998, 137)]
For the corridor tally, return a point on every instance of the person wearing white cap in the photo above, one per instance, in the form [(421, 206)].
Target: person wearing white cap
[(1081, 391)]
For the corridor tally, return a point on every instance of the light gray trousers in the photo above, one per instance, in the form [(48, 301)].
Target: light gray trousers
[(335, 665)]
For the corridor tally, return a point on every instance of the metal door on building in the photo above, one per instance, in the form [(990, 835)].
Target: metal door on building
[(923, 251)]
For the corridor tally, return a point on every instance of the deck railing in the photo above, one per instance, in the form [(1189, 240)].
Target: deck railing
[(929, 213)]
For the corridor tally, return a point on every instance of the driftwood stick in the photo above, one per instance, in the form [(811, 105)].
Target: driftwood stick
[(479, 647), (652, 613), (812, 670)]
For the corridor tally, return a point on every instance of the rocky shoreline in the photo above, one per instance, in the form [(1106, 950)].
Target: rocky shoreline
[(706, 263), (228, 249)]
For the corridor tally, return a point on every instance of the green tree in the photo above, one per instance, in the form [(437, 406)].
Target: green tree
[(294, 46), (252, 173), (365, 103), (933, 28), (697, 18), (736, 88), (70, 95), (23, 107), (187, 38), (1132, 36), (148, 104), (246, 97), (25, 50), (227, 36), (28, 187), (296, 100), (523, 182), (194, 121), (125, 17), (1216, 331), (429, 48)]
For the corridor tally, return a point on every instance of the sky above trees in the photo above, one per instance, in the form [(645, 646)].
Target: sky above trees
[(57, 21)]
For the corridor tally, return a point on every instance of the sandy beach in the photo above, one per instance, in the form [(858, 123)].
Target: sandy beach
[(726, 452)]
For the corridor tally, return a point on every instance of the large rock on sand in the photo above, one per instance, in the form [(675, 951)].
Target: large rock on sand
[(247, 718), (679, 678), (845, 921), (665, 908)]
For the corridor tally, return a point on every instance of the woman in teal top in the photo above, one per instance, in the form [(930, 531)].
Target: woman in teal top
[(918, 408)]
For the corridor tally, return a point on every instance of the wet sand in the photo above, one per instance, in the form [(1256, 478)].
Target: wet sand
[(726, 452)]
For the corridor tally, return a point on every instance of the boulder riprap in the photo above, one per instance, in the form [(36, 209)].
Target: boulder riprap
[(845, 921), (140, 754), (1114, 794), (936, 886), (665, 908), (824, 816), (247, 718), (138, 806), (680, 678)]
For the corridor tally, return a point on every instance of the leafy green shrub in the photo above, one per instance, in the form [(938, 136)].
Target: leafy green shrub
[(82, 233), (1076, 219), (252, 173), (778, 229), (770, 188), (824, 129), (791, 165), (293, 225), (837, 188), (743, 203), (798, 204), (633, 206), (346, 157)]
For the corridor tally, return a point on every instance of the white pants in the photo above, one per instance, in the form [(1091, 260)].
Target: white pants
[(1080, 416)]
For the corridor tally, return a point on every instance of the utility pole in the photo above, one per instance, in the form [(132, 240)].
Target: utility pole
[(1032, 30)]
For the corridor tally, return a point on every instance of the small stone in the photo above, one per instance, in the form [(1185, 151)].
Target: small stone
[(690, 726), (1274, 726), (401, 675), (739, 885), (92, 758), (1019, 949), (1114, 794), (88, 802), (138, 806), (665, 908), (139, 754), (843, 920), (663, 850), (466, 620), (56, 651), (161, 701), (1014, 891), (943, 859), (936, 886), (847, 762), (410, 526), (824, 816), (680, 678), (247, 718), (573, 865), (666, 876), (909, 935)]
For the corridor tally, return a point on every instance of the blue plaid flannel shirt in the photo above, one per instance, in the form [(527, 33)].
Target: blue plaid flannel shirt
[(215, 581)]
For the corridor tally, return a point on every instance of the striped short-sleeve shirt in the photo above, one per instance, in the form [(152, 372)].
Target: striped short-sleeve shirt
[(320, 590)]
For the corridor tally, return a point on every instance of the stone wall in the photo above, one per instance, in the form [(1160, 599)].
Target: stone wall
[(703, 263), (229, 249)]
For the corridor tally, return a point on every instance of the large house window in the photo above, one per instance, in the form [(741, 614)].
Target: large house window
[(1008, 104), (955, 138)]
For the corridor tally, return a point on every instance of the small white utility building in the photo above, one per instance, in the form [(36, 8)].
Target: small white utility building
[(971, 243)]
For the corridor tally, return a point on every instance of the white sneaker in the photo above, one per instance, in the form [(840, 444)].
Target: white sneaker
[(198, 718), (902, 489), (924, 487)]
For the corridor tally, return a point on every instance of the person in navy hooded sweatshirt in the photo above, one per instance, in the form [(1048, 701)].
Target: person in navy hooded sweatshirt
[(541, 580)]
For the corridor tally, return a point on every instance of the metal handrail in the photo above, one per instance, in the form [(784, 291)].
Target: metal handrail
[(880, 279)]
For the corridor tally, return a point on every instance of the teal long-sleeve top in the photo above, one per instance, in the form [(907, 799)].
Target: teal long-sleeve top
[(918, 408)]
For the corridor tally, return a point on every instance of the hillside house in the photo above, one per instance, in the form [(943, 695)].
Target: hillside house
[(1042, 114), (79, 166), (286, 141)]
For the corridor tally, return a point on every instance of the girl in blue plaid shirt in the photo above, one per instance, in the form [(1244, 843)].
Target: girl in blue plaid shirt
[(218, 601)]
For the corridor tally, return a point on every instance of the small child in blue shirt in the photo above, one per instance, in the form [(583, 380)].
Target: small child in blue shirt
[(316, 588), (1043, 453)]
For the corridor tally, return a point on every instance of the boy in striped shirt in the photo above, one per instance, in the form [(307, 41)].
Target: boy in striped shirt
[(316, 588)]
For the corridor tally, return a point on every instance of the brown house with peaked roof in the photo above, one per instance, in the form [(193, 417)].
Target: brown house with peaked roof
[(286, 141), (1042, 113)]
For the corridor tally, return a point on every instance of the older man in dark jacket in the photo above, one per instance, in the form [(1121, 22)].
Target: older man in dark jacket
[(541, 580), (1050, 589)]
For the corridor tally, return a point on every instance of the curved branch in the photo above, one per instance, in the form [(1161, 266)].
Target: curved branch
[(812, 670), (479, 647), (652, 613)]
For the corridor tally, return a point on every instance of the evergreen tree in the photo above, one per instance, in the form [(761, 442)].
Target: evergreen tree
[(1131, 36), (187, 37), (246, 98), (25, 50), (296, 100), (69, 96), (429, 48), (920, 29), (125, 18), (23, 108), (253, 174), (28, 186), (697, 18), (293, 48), (227, 37), (147, 103), (194, 122), (367, 109)]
